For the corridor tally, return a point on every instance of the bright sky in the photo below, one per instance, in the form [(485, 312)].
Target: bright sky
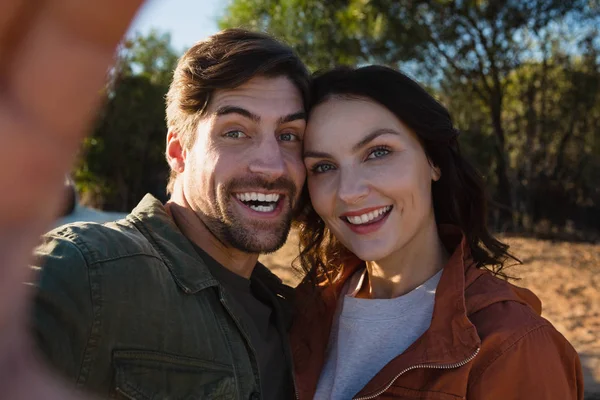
[(187, 20)]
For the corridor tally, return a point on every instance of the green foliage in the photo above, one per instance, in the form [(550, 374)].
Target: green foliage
[(325, 33), (124, 158), (150, 56)]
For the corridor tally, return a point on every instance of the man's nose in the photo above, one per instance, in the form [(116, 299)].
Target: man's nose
[(268, 160)]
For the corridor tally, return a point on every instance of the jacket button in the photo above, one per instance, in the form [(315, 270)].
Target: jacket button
[(254, 396)]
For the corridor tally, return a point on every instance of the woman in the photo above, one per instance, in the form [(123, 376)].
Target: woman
[(411, 300)]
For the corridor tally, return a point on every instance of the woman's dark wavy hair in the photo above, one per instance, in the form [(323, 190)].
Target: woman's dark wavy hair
[(459, 197)]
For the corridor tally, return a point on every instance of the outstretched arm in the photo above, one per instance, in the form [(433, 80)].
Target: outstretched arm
[(54, 55)]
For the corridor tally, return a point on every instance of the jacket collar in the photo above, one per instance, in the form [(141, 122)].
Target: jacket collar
[(187, 267), (177, 252)]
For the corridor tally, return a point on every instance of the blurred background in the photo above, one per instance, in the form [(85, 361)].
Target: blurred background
[(520, 77)]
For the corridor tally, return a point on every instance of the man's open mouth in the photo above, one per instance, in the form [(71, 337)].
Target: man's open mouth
[(261, 202)]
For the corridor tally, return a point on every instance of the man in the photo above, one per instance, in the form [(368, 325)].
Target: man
[(171, 302)]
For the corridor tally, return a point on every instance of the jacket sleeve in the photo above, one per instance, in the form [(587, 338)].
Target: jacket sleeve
[(63, 310), (539, 365)]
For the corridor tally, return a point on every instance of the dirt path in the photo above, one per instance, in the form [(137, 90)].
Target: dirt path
[(565, 276)]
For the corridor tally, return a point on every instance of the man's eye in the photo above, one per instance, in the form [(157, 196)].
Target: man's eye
[(289, 137), (235, 134), (320, 168)]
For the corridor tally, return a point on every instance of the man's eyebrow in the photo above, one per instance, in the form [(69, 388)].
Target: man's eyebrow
[(225, 110), (372, 136), (292, 117), (316, 154)]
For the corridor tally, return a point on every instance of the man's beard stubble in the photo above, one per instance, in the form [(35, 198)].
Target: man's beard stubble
[(251, 236)]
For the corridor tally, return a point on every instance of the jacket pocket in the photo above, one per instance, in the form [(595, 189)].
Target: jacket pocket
[(150, 375)]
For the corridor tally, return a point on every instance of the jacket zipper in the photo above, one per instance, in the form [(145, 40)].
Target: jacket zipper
[(244, 334), (433, 366), (296, 395), (294, 383)]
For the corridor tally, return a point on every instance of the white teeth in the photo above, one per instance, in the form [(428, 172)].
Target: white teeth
[(262, 197), (268, 208), (367, 217)]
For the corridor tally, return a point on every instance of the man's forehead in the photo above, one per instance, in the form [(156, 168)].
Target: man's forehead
[(260, 95)]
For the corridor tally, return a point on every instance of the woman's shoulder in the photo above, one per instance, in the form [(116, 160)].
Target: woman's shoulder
[(491, 300), (505, 314)]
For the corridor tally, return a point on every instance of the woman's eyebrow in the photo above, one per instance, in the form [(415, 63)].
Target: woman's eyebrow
[(363, 142), (372, 136)]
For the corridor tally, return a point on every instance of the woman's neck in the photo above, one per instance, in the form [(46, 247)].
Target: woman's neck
[(406, 269)]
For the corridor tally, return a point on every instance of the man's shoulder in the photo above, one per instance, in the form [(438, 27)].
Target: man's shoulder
[(97, 242)]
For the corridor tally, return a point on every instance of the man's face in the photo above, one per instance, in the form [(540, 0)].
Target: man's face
[(244, 173)]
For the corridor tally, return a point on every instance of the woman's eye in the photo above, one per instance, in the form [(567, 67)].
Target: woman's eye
[(289, 137), (320, 168), (377, 153), (235, 134)]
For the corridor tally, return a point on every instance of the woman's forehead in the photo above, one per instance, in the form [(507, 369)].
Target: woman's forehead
[(340, 121)]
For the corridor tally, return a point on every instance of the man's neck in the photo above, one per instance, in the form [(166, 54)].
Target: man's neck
[(194, 229)]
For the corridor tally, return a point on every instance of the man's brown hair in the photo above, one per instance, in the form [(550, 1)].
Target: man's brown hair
[(225, 60)]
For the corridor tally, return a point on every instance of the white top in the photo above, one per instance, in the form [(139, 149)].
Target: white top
[(369, 333)]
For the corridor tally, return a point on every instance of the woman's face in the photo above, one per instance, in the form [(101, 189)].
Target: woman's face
[(368, 176)]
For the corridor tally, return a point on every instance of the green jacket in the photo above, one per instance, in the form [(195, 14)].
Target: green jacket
[(129, 310)]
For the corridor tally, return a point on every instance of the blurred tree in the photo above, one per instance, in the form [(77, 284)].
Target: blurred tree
[(123, 159), (475, 45), (150, 56), (552, 115), (322, 32)]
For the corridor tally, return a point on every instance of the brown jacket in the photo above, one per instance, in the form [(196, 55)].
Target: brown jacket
[(487, 340)]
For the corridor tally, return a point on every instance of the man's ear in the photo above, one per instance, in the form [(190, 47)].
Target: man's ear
[(176, 154)]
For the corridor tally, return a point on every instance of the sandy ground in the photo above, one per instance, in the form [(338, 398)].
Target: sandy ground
[(565, 276)]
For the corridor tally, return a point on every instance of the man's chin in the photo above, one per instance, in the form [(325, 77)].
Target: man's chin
[(258, 242), (257, 239), (271, 248), (253, 234)]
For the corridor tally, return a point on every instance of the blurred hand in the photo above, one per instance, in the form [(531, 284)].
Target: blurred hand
[(54, 55)]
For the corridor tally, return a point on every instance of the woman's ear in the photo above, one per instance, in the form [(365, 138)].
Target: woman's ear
[(436, 173)]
